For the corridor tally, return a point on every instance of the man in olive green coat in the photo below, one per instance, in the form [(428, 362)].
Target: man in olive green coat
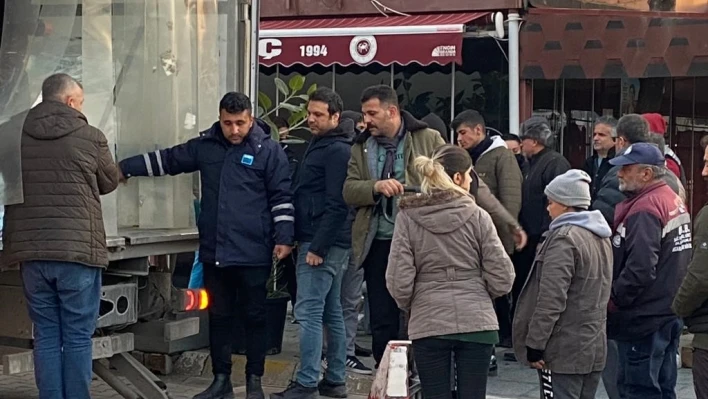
[(381, 164), (691, 301), (499, 169)]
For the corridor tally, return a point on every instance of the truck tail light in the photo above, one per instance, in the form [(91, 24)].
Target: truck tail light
[(196, 299)]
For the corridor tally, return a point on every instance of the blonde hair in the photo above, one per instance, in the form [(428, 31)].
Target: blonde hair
[(437, 171)]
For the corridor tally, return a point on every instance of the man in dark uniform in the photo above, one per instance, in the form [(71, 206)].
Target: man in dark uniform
[(246, 219)]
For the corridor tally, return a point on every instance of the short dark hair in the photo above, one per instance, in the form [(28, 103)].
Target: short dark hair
[(334, 102), (470, 118), (280, 122), (510, 136), (634, 128), (357, 117), (235, 103), (56, 86), (704, 142), (383, 93)]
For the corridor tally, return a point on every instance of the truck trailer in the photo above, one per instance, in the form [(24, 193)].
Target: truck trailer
[(153, 72)]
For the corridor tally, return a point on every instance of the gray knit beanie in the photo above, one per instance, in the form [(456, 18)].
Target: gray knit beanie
[(572, 188)]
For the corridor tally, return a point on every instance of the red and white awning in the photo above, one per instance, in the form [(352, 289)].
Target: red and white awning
[(422, 39)]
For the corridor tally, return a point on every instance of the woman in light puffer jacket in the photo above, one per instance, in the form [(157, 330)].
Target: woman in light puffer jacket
[(446, 266)]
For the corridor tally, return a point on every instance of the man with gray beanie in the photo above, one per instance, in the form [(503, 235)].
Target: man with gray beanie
[(569, 285), (537, 140)]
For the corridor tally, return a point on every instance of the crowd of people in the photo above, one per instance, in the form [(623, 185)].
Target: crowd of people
[(496, 241)]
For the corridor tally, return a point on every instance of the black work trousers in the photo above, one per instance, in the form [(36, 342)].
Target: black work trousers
[(237, 292), (385, 318), (433, 357)]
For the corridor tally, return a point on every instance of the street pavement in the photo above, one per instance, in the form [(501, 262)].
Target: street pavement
[(513, 382)]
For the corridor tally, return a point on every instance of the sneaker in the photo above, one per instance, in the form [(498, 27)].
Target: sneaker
[(296, 391), (360, 351), (356, 366), (324, 363), (493, 367), (330, 390)]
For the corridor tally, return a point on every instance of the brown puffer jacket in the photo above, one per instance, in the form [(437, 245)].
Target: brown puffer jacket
[(66, 167), (446, 265)]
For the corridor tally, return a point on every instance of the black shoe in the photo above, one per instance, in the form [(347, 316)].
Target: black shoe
[(296, 391), (221, 388), (254, 390), (509, 357), (360, 351), (356, 366), (330, 390)]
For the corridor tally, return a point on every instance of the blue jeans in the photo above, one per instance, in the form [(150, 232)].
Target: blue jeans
[(318, 300), (63, 300), (648, 366)]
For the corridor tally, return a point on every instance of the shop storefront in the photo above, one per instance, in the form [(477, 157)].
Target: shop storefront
[(429, 59), (581, 64)]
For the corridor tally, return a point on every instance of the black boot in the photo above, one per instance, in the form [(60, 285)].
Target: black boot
[(254, 390), (221, 388)]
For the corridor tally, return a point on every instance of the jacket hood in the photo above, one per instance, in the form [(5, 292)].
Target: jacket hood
[(440, 212), (51, 120), (592, 221), (497, 142), (409, 121), (345, 132)]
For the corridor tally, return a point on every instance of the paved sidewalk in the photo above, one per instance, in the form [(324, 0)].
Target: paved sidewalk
[(513, 382)]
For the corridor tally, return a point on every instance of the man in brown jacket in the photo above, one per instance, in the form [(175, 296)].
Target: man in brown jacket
[(381, 163), (498, 168), (57, 235), (691, 301)]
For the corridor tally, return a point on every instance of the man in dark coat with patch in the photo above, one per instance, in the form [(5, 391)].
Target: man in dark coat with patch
[(247, 218)]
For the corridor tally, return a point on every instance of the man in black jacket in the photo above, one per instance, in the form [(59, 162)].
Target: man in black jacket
[(603, 143), (537, 141), (324, 239), (246, 218), (631, 129)]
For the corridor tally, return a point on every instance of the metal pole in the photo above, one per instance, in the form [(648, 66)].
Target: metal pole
[(277, 92), (253, 49), (452, 103), (514, 75), (392, 73), (334, 75)]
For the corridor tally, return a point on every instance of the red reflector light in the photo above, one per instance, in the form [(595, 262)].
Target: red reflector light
[(191, 300)]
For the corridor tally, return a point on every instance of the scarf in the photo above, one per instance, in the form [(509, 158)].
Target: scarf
[(390, 145), (477, 151)]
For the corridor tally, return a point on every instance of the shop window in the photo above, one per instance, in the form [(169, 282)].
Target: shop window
[(689, 124), (351, 80)]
